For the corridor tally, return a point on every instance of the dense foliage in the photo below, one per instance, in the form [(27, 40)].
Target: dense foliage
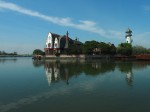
[(124, 49), (38, 52), (140, 50), (89, 46), (75, 49), (94, 47), (100, 48)]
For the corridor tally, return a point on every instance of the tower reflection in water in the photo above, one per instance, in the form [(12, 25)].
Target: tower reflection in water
[(126, 68), (129, 78), (63, 70)]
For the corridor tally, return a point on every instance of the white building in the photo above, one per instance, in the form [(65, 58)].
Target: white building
[(128, 36), (55, 43)]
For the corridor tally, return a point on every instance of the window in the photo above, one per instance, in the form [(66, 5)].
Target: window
[(49, 45)]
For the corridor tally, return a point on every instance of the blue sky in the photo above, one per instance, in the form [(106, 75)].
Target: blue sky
[(24, 24)]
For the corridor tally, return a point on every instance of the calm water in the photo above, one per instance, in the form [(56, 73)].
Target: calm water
[(74, 86)]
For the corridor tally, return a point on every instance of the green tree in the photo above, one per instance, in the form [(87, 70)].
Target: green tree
[(148, 51), (113, 49), (107, 48), (89, 46), (4, 53), (94, 47), (104, 48), (38, 52), (15, 53), (75, 49), (140, 50), (124, 49)]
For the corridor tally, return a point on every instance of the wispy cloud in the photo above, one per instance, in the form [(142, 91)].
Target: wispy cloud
[(146, 8), (85, 25), (142, 39)]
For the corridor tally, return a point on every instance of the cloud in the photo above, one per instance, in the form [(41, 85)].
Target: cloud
[(85, 25), (146, 34), (146, 8), (142, 39)]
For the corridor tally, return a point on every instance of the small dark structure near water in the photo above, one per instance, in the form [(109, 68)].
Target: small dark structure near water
[(37, 57)]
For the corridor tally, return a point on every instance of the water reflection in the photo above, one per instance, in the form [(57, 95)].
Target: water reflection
[(92, 84), (4, 60), (126, 68), (52, 72), (63, 70), (129, 78)]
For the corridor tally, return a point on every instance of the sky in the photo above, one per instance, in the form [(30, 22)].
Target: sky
[(24, 24)]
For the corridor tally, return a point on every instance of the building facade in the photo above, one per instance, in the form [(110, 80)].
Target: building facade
[(57, 44)]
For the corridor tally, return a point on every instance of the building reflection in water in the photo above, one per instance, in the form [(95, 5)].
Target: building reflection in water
[(67, 76), (52, 72), (63, 70), (129, 78), (96, 65), (48, 72)]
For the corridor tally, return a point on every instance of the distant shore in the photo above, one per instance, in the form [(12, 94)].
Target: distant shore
[(15, 55)]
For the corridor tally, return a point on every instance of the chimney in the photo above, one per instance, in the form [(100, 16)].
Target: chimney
[(67, 38)]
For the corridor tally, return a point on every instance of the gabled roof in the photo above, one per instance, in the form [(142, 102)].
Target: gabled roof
[(63, 37), (54, 35)]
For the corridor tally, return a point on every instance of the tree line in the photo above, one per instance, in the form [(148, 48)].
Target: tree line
[(101, 48), (94, 47), (6, 53)]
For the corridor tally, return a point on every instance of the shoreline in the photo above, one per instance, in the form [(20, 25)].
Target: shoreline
[(144, 57)]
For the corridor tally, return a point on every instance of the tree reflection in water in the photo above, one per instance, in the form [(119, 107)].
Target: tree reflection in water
[(7, 59), (63, 70)]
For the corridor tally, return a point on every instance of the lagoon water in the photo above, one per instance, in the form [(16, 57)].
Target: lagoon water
[(74, 85)]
